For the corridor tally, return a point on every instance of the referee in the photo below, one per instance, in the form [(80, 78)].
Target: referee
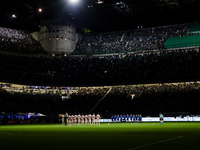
[(161, 119)]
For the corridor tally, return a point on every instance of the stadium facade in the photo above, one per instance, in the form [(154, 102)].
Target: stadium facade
[(57, 37)]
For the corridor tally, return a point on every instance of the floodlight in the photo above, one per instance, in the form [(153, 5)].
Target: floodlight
[(99, 2), (73, 1), (14, 16), (40, 10)]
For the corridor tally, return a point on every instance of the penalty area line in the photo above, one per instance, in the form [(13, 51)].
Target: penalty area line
[(155, 143)]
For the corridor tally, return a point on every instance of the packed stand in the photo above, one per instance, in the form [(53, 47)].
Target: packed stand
[(46, 103), (100, 43), (152, 67), (129, 41), (152, 100), (18, 41)]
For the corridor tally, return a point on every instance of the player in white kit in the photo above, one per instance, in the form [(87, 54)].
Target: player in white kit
[(93, 119), (89, 119), (75, 119), (98, 119), (79, 119), (82, 119), (86, 119), (63, 120), (70, 119)]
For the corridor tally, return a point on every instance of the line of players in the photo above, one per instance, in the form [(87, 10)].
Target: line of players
[(81, 119), (127, 118)]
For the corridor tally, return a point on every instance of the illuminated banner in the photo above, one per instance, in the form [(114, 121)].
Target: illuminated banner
[(157, 119), (104, 120), (184, 119)]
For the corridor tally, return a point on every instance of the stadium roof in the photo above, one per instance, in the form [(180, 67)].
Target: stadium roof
[(98, 15)]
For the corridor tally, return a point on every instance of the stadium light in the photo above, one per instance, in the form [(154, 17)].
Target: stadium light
[(14, 16), (99, 2), (73, 1), (40, 10)]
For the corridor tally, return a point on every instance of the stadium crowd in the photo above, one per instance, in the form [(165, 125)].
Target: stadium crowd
[(18, 41), (149, 100), (148, 67), (162, 66), (129, 41), (140, 39)]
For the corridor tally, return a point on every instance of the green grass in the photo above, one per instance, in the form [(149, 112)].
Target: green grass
[(127, 136)]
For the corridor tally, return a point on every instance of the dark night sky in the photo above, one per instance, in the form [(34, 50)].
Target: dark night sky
[(99, 17)]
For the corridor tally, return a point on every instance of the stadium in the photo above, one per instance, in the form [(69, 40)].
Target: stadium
[(99, 74)]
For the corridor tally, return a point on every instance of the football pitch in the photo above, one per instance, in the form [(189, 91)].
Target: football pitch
[(118, 136)]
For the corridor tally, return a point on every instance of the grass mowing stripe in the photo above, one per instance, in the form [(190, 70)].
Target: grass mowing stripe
[(156, 143)]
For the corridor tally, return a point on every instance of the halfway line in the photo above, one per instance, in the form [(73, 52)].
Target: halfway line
[(155, 143)]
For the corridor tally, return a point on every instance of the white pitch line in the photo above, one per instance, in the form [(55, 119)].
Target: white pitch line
[(155, 143)]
